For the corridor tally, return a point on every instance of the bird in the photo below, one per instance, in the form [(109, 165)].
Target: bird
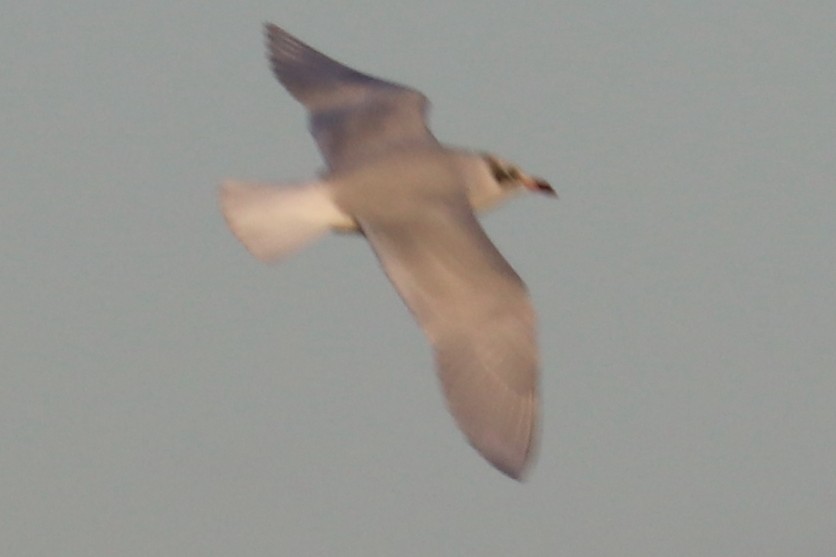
[(414, 199)]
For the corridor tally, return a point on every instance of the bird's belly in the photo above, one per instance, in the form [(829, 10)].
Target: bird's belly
[(402, 186)]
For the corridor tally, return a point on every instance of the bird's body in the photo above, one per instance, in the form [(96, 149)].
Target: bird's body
[(423, 176), (413, 199)]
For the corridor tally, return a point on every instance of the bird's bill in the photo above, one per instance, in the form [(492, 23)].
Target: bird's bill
[(538, 185)]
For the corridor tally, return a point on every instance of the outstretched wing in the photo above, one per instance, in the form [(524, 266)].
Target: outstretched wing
[(353, 116), (477, 314)]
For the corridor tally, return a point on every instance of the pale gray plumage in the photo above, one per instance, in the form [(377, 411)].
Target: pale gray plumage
[(413, 199), (353, 116)]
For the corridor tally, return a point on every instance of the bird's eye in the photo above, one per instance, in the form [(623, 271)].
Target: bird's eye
[(497, 170), (505, 174)]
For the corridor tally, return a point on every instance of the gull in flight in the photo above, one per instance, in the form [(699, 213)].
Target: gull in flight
[(388, 179)]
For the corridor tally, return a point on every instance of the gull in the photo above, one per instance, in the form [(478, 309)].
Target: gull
[(389, 180)]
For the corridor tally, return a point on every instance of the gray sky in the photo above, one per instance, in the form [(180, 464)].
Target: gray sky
[(162, 393)]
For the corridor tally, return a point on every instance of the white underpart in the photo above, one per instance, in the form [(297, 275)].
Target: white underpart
[(275, 221)]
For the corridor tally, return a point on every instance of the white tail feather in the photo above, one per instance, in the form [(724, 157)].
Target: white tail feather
[(273, 222)]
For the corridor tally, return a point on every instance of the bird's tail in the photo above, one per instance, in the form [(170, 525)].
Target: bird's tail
[(274, 221)]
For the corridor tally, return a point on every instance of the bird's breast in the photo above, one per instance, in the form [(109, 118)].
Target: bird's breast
[(400, 186)]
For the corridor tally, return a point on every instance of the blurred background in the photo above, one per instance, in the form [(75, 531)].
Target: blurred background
[(163, 393)]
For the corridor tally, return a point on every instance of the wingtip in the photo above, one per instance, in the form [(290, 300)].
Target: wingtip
[(273, 33), (515, 459), (518, 473), (521, 469)]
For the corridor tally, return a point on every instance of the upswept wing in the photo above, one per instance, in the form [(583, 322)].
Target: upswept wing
[(353, 116)]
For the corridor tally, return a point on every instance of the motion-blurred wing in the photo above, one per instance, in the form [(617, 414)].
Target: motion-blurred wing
[(353, 116), (478, 317)]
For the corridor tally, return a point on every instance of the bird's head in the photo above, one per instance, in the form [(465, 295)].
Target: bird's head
[(502, 179), (510, 176)]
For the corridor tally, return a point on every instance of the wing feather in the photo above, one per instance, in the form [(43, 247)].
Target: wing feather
[(478, 317), (353, 116)]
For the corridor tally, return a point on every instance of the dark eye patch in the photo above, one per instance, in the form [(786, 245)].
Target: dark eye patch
[(498, 172)]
